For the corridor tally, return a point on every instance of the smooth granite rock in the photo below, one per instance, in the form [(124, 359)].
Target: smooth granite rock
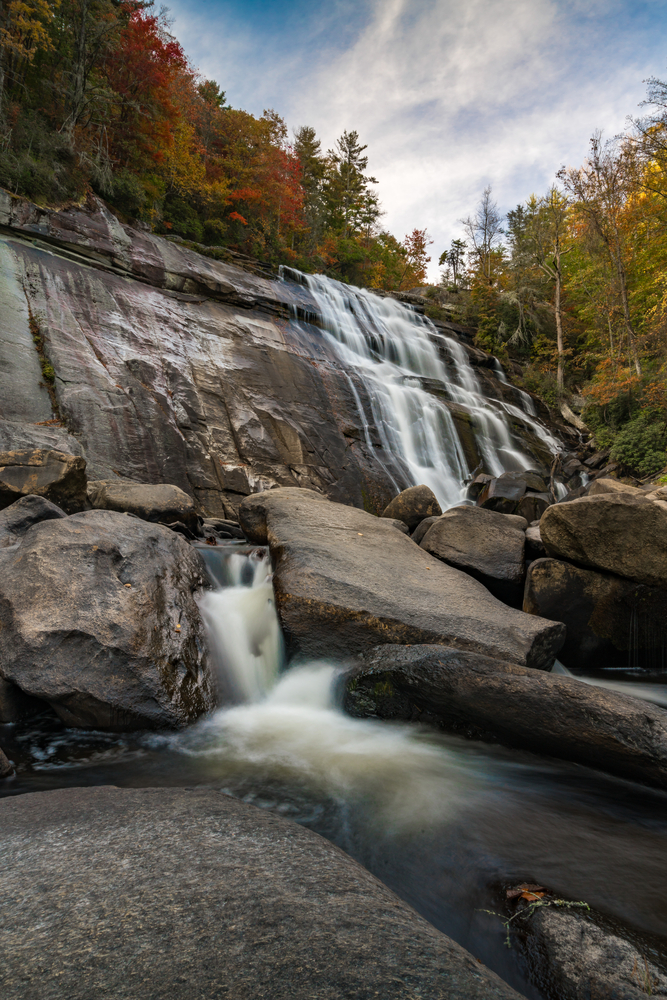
[(22, 514), (346, 580), (98, 617), (54, 475), (618, 533), (160, 502), (549, 714), (175, 894), (600, 486), (413, 505)]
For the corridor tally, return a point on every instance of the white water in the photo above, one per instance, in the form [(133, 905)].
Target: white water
[(289, 728), (394, 350)]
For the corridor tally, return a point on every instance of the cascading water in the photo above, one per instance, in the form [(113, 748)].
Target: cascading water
[(394, 349)]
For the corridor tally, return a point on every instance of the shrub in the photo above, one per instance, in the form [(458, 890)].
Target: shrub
[(641, 444)]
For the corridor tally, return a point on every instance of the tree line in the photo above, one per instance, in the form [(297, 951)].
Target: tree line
[(100, 94), (573, 284)]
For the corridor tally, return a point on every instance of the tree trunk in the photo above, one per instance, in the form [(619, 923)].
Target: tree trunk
[(559, 326), (632, 339)]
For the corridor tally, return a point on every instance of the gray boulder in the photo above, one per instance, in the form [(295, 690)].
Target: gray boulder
[(534, 545), (22, 514), (617, 533), (533, 505), (160, 502), (183, 893), (545, 713), (53, 475), (502, 494), (98, 617), (346, 580), (600, 486), (487, 545), (610, 621), (413, 505), (422, 528)]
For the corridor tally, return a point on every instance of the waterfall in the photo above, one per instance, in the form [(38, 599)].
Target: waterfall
[(413, 389)]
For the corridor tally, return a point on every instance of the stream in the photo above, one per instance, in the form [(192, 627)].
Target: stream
[(445, 822)]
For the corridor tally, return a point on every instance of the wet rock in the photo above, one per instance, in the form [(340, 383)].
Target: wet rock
[(346, 580), (597, 460), (477, 485), (600, 486), (413, 505), (534, 480), (6, 766), (487, 545), (577, 959), (545, 713), (620, 533), (224, 528), (611, 622), (22, 514), (533, 505), (173, 892), (160, 502), (54, 475), (502, 495), (422, 528), (534, 545), (98, 618)]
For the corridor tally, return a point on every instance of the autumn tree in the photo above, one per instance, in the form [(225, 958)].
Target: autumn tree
[(484, 230)]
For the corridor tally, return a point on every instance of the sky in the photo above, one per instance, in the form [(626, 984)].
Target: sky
[(449, 95)]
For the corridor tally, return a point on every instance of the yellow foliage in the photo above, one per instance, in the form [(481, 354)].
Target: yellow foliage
[(25, 27)]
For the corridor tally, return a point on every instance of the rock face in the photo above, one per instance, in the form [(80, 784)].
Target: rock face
[(413, 505), (98, 617), (53, 475), (545, 713), (487, 545), (580, 960), (182, 893), (159, 503), (610, 622), (345, 580), (22, 514), (617, 533)]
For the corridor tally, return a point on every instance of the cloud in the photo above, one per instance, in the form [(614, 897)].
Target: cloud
[(449, 96)]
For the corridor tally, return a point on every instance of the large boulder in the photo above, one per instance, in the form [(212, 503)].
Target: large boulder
[(183, 893), (346, 580), (161, 502), (98, 617), (413, 505), (502, 494), (22, 514), (600, 486), (487, 545), (610, 621), (54, 475), (617, 533), (546, 713)]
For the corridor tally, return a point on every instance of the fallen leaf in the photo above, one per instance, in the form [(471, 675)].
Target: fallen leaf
[(128, 584), (525, 887)]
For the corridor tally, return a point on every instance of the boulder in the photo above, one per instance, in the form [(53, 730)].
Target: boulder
[(222, 528), (54, 475), (611, 622), (597, 459), (22, 514), (477, 485), (183, 893), (502, 495), (549, 714), (534, 545), (534, 480), (15, 705), (98, 617), (533, 505), (422, 528), (413, 505), (658, 494), (487, 545), (6, 766), (159, 503), (600, 486), (581, 959), (346, 580), (620, 533)]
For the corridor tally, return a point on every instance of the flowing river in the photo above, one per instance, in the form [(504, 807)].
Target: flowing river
[(445, 822)]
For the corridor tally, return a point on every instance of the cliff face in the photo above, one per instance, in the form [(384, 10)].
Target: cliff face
[(171, 367)]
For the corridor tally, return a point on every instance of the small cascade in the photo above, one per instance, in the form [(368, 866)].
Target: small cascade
[(396, 352)]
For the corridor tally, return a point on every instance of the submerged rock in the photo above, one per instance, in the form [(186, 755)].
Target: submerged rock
[(346, 580), (617, 533), (160, 502), (98, 617), (487, 545), (529, 709), (610, 621), (413, 505), (189, 893), (53, 475)]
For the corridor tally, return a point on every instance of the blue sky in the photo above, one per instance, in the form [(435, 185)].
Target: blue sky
[(449, 95)]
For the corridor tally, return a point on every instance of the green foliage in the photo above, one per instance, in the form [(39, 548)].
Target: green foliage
[(641, 445), (37, 162)]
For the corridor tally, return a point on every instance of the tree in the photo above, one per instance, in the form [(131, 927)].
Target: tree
[(484, 231), (24, 28), (352, 205), (601, 189), (453, 260), (416, 256), (548, 232)]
